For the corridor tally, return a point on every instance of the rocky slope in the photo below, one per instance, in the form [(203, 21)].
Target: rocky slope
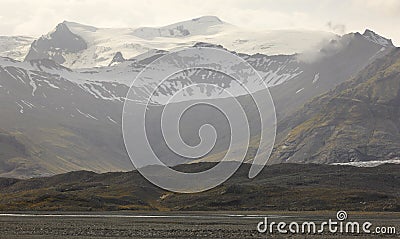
[(51, 124), (357, 121)]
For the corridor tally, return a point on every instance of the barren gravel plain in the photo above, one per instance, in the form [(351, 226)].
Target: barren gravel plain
[(174, 224)]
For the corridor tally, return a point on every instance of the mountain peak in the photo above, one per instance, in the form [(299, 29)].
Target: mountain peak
[(62, 27), (67, 22), (376, 38), (55, 44), (75, 25), (211, 19)]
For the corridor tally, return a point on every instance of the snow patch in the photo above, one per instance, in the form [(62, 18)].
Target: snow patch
[(316, 78), (110, 119), (86, 115), (370, 163), (27, 103), (21, 110)]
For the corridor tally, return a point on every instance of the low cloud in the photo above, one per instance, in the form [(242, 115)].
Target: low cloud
[(326, 48), (336, 28)]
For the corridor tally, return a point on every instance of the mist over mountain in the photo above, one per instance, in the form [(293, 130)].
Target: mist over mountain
[(358, 121)]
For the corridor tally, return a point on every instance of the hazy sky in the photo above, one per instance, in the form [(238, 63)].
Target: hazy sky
[(30, 17)]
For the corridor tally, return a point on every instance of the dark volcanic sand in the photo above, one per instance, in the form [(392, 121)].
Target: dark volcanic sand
[(179, 225)]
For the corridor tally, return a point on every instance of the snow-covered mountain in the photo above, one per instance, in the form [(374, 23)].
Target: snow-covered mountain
[(61, 107), (56, 119), (202, 26), (373, 37), (91, 46), (57, 45), (15, 47)]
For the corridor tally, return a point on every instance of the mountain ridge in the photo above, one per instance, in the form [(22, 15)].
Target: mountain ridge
[(278, 187), (356, 121), (103, 43)]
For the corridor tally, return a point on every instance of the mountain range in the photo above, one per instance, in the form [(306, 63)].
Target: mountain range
[(80, 46), (61, 97)]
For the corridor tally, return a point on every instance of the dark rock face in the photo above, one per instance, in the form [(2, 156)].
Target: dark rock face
[(118, 58), (55, 45), (373, 37)]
